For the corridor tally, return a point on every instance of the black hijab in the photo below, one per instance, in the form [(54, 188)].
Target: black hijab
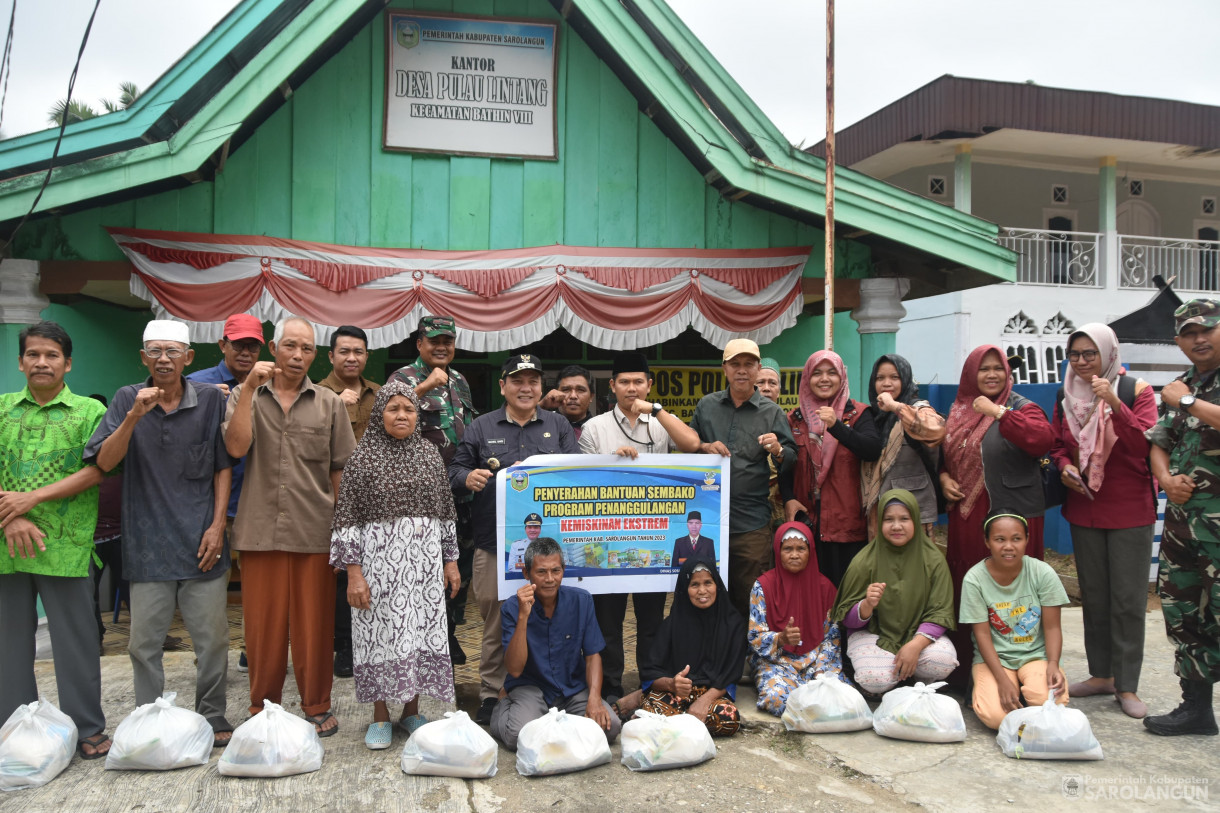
[(711, 641), (908, 395)]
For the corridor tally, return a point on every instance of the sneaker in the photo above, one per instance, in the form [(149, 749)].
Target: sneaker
[(483, 716), (343, 664), (242, 664)]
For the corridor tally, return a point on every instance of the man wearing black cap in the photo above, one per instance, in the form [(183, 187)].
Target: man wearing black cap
[(633, 426), (515, 560), (494, 441), (445, 410), (694, 543)]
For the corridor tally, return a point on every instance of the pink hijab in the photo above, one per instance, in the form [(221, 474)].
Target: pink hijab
[(809, 409), (1087, 416)]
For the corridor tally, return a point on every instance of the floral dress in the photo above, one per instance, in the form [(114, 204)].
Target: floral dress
[(778, 672)]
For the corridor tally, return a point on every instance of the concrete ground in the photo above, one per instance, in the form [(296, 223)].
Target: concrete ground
[(761, 768)]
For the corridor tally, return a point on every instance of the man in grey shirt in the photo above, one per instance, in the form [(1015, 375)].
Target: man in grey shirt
[(633, 426), (176, 479), (740, 424)]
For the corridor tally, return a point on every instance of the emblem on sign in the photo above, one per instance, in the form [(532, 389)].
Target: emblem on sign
[(407, 33), (520, 480)]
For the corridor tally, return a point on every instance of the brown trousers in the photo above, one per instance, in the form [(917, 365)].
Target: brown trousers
[(284, 592)]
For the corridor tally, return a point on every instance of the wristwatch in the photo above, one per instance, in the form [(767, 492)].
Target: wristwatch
[(657, 406), (1186, 402)]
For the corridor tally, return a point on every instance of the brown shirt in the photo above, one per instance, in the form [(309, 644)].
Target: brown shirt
[(286, 501), (359, 412)]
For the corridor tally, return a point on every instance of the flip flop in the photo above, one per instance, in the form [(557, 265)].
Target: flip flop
[(220, 726), (319, 720), (96, 741), (379, 736)]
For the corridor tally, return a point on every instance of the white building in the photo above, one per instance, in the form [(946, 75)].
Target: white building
[(1097, 193)]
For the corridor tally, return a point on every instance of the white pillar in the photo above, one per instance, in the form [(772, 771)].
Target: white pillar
[(21, 303), (1108, 261), (877, 318)]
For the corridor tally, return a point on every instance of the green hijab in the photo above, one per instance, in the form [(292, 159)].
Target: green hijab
[(918, 588)]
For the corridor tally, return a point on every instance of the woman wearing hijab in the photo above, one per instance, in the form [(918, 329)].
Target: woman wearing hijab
[(991, 455), (788, 621), (394, 534), (697, 655), (825, 482), (911, 432), (897, 600), (1102, 456)]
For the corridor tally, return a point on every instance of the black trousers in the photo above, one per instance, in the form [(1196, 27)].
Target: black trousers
[(343, 615), (611, 609)]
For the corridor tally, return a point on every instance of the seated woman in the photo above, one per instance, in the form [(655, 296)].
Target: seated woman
[(697, 654), (898, 599), (788, 620), (1012, 604)]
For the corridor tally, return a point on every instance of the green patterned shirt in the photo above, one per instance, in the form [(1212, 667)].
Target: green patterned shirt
[(1193, 446), (43, 444)]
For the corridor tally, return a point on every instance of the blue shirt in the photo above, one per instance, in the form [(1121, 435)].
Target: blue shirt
[(557, 645), (169, 498), (221, 374)]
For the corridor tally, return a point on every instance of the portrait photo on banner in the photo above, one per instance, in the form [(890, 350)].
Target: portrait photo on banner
[(623, 525)]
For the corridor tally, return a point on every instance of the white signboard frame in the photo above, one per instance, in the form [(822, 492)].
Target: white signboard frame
[(464, 85)]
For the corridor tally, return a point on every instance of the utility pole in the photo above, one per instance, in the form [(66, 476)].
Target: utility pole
[(829, 293)]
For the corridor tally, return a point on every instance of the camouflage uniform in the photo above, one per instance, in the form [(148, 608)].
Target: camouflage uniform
[(447, 411), (1190, 542)]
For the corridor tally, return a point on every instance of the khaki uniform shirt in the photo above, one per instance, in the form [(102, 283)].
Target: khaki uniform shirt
[(286, 500), (360, 411)]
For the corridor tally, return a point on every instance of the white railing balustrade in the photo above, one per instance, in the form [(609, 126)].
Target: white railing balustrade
[(1194, 265), (1054, 257)]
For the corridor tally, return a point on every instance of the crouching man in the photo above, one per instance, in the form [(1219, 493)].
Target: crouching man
[(552, 650)]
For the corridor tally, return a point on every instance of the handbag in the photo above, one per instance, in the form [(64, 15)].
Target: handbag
[(1054, 492)]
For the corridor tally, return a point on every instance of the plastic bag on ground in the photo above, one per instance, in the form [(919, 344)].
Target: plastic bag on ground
[(454, 746), (1049, 731), (36, 743), (654, 742), (558, 742), (826, 705), (159, 736), (918, 713), (272, 743)]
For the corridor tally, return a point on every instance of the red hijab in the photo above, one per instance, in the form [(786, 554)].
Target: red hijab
[(964, 441), (805, 597), (810, 404)]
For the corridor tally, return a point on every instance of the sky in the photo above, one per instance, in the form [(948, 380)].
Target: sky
[(775, 50)]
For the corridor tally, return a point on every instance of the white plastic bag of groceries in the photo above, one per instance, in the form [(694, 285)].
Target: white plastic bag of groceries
[(36, 743), (1049, 731), (558, 742), (654, 742), (272, 743), (159, 736), (454, 746), (826, 705), (918, 713)]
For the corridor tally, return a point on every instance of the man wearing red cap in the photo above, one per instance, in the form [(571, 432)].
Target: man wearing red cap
[(241, 343)]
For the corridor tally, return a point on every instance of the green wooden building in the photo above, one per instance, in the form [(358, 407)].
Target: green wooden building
[(274, 130)]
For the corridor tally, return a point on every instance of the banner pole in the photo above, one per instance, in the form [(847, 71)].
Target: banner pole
[(829, 266)]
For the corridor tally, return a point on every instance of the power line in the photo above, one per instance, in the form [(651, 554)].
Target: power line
[(63, 124), (6, 62)]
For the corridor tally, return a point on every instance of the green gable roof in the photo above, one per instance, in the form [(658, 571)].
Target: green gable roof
[(241, 71)]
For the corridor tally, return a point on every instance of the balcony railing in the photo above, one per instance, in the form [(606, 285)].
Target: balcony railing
[(1194, 264), (1054, 257)]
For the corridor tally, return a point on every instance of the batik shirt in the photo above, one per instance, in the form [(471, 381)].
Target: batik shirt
[(43, 444)]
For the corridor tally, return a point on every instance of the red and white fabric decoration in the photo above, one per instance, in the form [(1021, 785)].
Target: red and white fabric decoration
[(613, 298)]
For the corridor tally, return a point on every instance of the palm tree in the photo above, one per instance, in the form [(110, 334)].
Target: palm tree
[(79, 111)]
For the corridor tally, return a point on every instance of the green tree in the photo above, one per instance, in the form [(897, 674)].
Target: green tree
[(79, 111)]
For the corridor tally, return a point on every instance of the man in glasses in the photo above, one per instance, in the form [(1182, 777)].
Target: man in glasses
[(241, 343), (176, 476)]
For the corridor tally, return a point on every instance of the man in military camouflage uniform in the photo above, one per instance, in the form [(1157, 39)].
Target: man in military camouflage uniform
[(446, 410), (1184, 456)]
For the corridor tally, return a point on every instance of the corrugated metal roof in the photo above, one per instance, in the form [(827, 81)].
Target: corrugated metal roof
[(955, 107)]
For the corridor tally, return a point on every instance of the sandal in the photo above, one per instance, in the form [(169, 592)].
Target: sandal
[(379, 736), (96, 742), (413, 723), (318, 720), (220, 726)]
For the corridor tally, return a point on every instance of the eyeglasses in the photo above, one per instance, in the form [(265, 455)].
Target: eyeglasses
[(1087, 355), (155, 353)]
